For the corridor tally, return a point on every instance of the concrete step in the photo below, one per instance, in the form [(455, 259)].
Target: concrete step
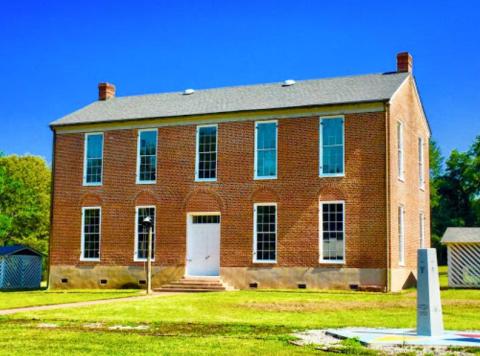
[(194, 284), (186, 290), (194, 281)]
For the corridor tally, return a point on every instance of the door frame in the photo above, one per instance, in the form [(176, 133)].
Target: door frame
[(189, 219)]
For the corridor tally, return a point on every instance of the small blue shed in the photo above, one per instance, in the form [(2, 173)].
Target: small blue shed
[(20, 267)]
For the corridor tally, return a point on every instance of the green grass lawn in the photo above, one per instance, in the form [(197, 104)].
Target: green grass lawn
[(10, 300), (244, 322), (443, 276)]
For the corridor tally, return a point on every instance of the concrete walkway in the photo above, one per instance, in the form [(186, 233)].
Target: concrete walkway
[(82, 304)]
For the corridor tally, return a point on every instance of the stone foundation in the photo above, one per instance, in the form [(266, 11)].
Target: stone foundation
[(313, 278), (90, 277), (403, 278)]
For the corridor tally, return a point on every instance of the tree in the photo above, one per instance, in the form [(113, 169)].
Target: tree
[(436, 171), (455, 192), (24, 201)]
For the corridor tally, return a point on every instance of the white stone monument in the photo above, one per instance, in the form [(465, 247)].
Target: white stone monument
[(429, 306)]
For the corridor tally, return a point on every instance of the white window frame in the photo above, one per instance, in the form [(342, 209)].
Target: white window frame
[(255, 260), (400, 151), (320, 149), (401, 235), (85, 159), (137, 179), (197, 155), (255, 175), (82, 239), (135, 249), (421, 163), (421, 218), (320, 229)]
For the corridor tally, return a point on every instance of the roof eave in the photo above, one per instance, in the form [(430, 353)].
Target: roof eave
[(53, 126)]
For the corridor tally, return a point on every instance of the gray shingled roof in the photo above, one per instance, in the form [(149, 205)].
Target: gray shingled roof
[(341, 90), (461, 235)]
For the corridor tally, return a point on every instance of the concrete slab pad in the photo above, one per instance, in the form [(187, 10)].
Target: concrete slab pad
[(370, 336)]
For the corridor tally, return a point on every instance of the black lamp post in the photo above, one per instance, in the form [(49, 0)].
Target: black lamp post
[(148, 223)]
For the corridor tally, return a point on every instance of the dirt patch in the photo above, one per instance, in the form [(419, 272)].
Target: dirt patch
[(326, 305), (128, 327), (47, 325)]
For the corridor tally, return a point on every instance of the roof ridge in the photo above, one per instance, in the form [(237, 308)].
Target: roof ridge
[(297, 81)]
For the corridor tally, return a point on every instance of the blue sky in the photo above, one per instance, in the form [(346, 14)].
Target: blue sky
[(53, 54)]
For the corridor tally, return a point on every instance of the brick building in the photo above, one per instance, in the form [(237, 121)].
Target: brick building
[(316, 184)]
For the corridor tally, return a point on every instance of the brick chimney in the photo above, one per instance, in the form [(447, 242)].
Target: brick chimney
[(106, 91), (404, 62)]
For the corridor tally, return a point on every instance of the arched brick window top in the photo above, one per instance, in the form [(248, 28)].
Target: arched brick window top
[(264, 194), (145, 197), (204, 200), (91, 199), (331, 193)]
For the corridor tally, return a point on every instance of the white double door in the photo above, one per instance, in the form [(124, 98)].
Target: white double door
[(203, 245)]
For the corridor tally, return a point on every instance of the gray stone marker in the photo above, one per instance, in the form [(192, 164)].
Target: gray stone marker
[(429, 306)]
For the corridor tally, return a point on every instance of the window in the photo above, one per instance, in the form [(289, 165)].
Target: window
[(91, 224), (421, 174), (401, 235), (92, 170), (147, 156), (332, 150), (141, 232), (266, 150), (206, 162), (332, 232), (401, 169), (206, 219), (265, 233), (422, 229)]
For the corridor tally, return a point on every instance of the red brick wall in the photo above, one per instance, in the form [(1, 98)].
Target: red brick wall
[(406, 108), (297, 192)]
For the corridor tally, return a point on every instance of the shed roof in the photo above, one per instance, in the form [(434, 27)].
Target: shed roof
[(461, 235), (304, 93), (16, 249)]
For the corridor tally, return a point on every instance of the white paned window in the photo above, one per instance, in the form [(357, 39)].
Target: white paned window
[(265, 232), (401, 235), (332, 232), (206, 159), (400, 154), (91, 231), (332, 147), (266, 150), (93, 160), (422, 229), (147, 156), (141, 232), (421, 168), (206, 219)]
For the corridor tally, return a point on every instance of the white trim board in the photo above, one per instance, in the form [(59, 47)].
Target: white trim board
[(206, 119)]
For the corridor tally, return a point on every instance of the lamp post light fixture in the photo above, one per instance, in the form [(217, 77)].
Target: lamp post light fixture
[(148, 223)]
